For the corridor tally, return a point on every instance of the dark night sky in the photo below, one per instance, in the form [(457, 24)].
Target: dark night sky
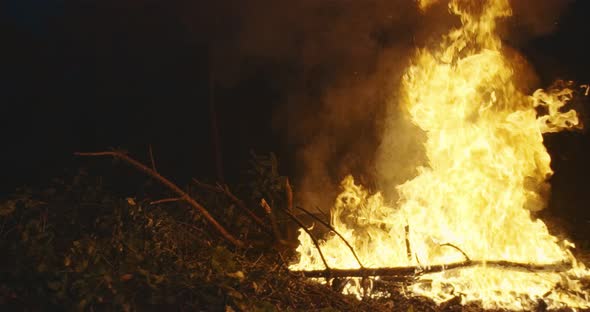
[(91, 75)]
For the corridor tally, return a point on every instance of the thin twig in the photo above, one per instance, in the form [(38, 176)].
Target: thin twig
[(408, 246), (335, 232), (273, 221), (315, 242), (242, 205), (290, 231), (323, 213), (152, 158), (289, 192), (228, 236), (208, 187), (166, 200), (459, 249), (225, 190), (198, 229), (412, 271)]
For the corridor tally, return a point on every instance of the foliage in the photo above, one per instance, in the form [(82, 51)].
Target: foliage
[(82, 244), (77, 246), (265, 179)]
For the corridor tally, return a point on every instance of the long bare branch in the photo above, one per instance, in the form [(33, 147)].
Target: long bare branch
[(413, 271), (182, 194), (289, 194), (152, 159), (324, 223), (166, 200), (458, 249), (273, 221), (315, 242), (408, 245), (225, 190)]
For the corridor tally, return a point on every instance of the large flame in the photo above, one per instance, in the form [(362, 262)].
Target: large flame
[(487, 170)]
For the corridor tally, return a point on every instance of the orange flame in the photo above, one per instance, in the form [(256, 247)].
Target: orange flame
[(487, 170)]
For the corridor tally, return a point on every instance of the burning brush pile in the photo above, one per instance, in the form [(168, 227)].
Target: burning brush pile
[(462, 228)]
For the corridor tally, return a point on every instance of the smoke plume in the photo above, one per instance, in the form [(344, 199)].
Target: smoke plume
[(339, 64)]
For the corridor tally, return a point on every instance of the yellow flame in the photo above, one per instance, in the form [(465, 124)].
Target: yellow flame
[(425, 4), (487, 170)]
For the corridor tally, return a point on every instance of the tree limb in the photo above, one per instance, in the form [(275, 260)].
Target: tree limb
[(166, 200), (408, 246), (225, 190), (182, 194), (412, 271), (315, 242), (335, 232), (152, 159), (457, 248), (289, 193), (273, 221)]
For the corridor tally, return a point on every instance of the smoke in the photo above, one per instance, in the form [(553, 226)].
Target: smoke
[(531, 19), (339, 64)]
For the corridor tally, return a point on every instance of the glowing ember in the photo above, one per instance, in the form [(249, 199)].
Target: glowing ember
[(487, 171)]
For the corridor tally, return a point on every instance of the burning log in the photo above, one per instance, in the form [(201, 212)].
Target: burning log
[(408, 246), (485, 170), (415, 271)]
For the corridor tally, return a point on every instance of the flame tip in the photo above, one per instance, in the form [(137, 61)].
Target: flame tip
[(487, 172)]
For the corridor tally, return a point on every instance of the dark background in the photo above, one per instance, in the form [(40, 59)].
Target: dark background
[(91, 75)]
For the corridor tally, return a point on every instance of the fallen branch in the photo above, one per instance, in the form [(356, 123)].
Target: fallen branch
[(331, 228), (457, 248), (225, 190), (273, 222), (289, 194), (315, 241), (152, 159), (408, 246), (290, 232), (166, 200), (327, 216), (182, 194), (412, 271)]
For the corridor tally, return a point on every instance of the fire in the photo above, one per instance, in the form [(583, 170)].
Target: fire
[(487, 170)]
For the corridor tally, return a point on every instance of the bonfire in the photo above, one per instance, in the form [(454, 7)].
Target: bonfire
[(463, 228)]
